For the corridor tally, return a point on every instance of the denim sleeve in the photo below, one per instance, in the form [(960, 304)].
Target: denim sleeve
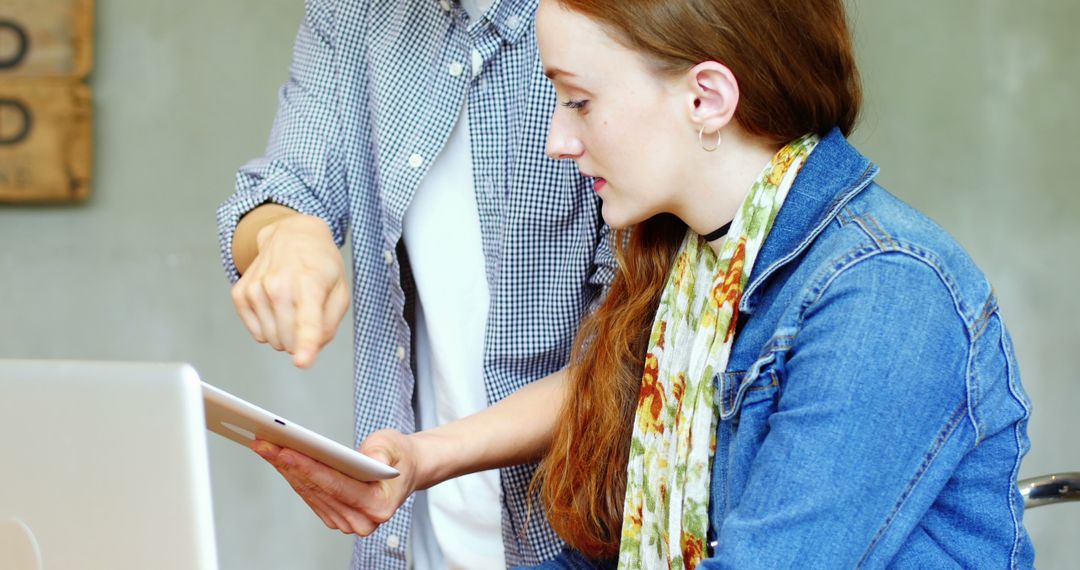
[(302, 167), (870, 422)]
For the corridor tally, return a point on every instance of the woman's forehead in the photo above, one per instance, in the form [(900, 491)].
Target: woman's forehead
[(572, 44)]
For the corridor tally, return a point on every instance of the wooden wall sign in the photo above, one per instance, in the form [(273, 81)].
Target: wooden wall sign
[(46, 52)]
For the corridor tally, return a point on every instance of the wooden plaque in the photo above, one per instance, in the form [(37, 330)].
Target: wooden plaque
[(46, 38), (45, 109), (44, 141)]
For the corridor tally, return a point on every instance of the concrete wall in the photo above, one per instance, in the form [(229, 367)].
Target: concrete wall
[(970, 113), (184, 93)]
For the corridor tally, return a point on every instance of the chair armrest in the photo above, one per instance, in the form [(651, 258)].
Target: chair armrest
[(1050, 489)]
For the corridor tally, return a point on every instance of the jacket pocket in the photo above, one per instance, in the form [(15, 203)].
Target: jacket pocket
[(738, 390)]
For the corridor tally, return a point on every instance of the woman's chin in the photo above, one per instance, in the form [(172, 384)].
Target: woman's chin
[(618, 220)]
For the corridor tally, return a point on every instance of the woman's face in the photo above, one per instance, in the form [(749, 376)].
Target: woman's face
[(623, 123)]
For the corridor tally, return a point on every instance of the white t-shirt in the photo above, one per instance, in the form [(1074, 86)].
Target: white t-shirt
[(457, 524)]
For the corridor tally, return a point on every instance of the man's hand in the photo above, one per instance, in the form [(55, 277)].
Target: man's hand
[(293, 294), (345, 504)]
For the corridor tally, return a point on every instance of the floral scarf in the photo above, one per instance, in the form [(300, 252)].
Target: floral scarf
[(665, 513)]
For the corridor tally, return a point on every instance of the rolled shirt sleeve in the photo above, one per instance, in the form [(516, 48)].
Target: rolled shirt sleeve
[(303, 168)]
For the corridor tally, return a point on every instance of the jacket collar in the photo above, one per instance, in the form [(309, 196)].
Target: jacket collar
[(834, 173)]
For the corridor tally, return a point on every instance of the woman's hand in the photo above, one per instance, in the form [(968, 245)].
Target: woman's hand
[(343, 503), (292, 293), (514, 431)]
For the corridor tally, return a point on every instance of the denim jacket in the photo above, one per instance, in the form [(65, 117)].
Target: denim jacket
[(871, 414)]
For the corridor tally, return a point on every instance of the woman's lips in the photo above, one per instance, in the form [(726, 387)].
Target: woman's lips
[(599, 184)]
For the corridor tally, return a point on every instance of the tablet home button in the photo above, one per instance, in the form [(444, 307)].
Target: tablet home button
[(18, 549)]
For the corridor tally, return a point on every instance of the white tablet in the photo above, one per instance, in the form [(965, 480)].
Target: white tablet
[(243, 422)]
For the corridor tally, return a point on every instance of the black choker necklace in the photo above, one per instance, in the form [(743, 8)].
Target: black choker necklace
[(717, 234)]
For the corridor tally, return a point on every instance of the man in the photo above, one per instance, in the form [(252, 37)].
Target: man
[(417, 129)]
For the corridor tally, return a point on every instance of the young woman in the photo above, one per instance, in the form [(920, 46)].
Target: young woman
[(792, 369)]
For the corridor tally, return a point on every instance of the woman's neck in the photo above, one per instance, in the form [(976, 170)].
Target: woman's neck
[(718, 182)]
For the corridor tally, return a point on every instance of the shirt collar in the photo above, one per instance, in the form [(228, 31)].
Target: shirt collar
[(511, 19)]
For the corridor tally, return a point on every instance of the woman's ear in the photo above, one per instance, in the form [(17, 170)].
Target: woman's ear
[(713, 96)]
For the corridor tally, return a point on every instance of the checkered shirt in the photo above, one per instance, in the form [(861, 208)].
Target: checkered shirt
[(375, 89)]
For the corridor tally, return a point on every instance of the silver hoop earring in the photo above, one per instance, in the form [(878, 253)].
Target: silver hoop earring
[(701, 140)]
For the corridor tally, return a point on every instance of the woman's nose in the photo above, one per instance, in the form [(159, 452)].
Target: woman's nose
[(562, 143)]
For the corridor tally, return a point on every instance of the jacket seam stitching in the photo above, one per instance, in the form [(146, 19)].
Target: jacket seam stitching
[(860, 254), (869, 233), (942, 438), (988, 310), (889, 241), (1016, 519), (864, 180), (969, 388), (1018, 440), (845, 216)]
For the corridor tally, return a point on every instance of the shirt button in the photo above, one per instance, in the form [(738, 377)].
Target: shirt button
[(393, 541), (401, 353), (513, 22), (388, 256), (445, 5), (416, 161), (456, 69)]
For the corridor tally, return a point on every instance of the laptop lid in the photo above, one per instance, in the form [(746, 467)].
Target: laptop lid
[(104, 466)]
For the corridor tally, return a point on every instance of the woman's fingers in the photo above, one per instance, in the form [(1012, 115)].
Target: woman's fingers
[(326, 481), (355, 521), (328, 515), (340, 502), (305, 489)]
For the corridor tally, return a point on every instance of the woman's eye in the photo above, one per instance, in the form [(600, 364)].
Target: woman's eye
[(576, 104)]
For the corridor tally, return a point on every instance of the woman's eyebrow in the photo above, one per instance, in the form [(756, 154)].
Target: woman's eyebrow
[(554, 72), (565, 78)]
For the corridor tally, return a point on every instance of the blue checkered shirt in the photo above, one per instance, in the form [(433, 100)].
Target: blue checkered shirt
[(375, 89)]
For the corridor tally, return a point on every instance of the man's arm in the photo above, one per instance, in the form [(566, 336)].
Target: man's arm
[(244, 243), (302, 167), (281, 229)]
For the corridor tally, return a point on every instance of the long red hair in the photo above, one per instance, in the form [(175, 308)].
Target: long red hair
[(797, 74)]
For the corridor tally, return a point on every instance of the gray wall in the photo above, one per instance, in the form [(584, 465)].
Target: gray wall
[(971, 114), (184, 93)]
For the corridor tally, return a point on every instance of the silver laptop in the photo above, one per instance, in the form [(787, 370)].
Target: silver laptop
[(103, 466)]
